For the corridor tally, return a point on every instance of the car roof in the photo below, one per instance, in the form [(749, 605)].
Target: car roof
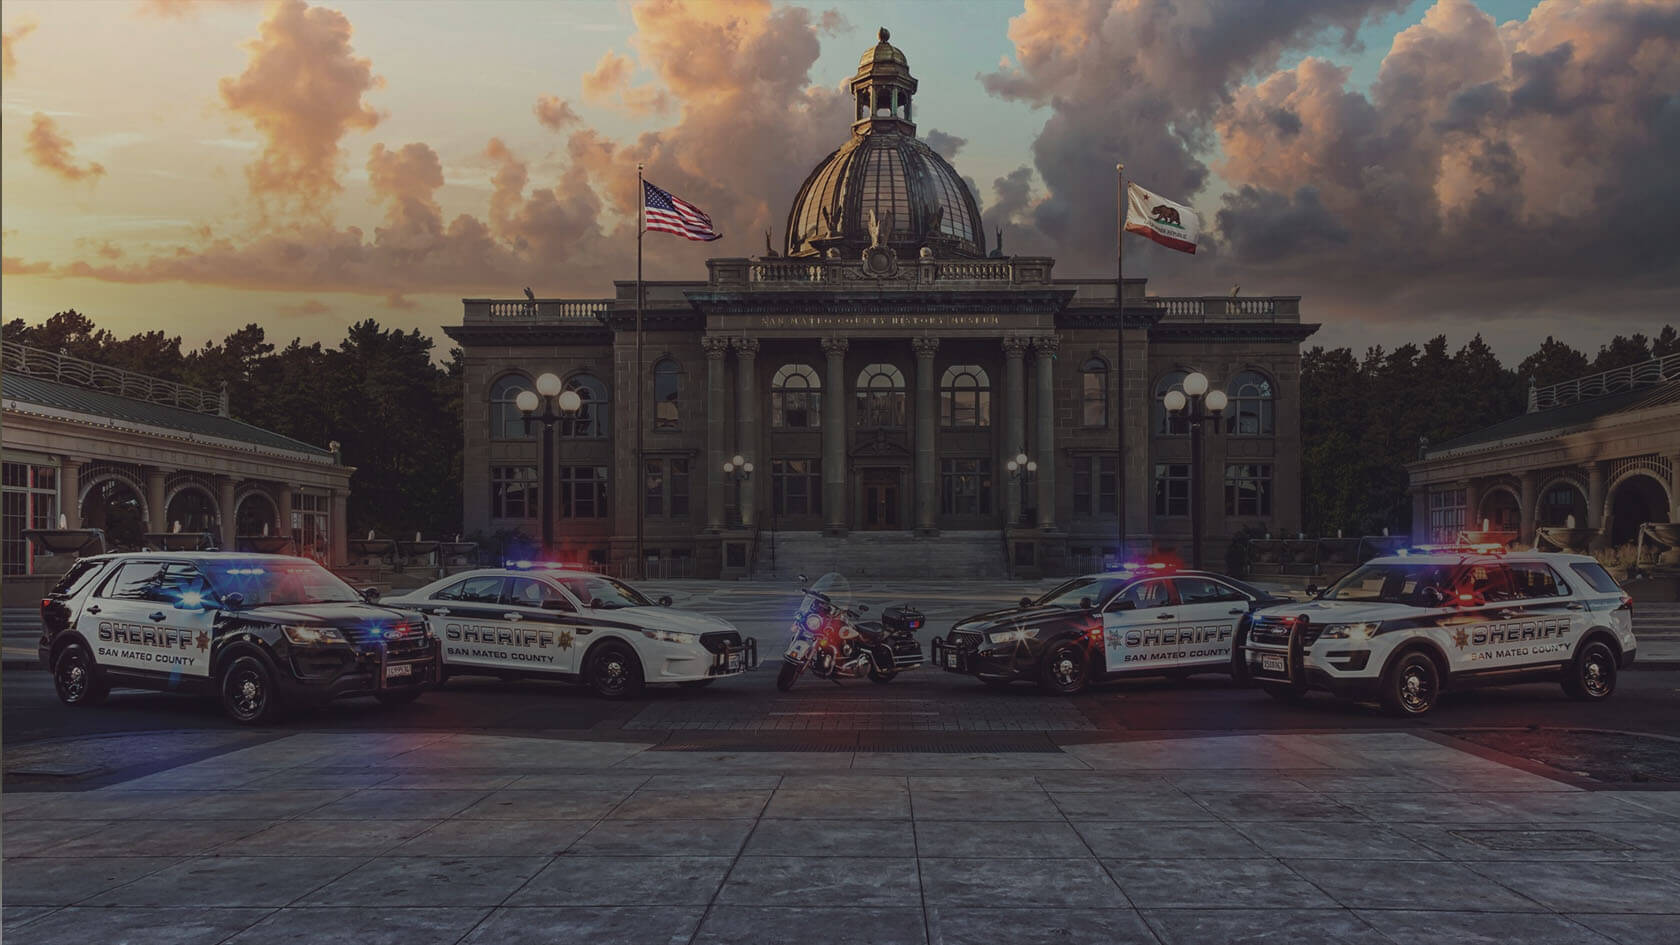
[(1141, 573), (522, 572), (1482, 557), (195, 556)]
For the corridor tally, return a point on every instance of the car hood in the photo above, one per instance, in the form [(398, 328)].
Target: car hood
[(346, 614), (1015, 617), (664, 618), (1338, 611)]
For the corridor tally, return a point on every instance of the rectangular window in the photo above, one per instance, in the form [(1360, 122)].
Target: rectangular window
[(1248, 489), (1446, 515), (1081, 484), (666, 487), (654, 487), (583, 492), (796, 485), (513, 491), (1095, 486), (310, 528), (30, 501), (965, 486), (1108, 485), (1172, 489)]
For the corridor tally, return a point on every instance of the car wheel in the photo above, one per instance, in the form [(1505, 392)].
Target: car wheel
[(696, 683), (1063, 669), (1411, 685), (614, 672), (1284, 692), (1592, 676), (788, 675), (247, 691), (398, 696), (76, 679)]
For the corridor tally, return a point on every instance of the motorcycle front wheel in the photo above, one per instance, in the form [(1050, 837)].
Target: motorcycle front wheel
[(788, 675)]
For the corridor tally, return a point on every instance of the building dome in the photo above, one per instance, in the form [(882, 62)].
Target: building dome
[(884, 178)]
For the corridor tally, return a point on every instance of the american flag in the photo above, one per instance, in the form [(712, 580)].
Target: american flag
[(669, 213)]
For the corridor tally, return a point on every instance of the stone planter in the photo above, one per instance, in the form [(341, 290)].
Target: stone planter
[(264, 544), (180, 541)]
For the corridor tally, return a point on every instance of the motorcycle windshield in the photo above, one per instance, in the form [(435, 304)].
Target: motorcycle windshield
[(833, 587)]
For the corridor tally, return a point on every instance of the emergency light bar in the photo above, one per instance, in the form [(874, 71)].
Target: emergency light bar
[(545, 565), (1478, 548), (1143, 566)]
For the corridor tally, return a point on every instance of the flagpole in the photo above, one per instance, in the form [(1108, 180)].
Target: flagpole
[(1120, 366), (638, 479)]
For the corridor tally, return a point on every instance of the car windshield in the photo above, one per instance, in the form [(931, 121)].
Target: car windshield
[(603, 592), (1393, 584), (267, 581), (1069, 594)]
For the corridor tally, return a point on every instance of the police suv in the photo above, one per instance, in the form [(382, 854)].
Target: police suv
[(1140, 620), (260, 632), (563, 622), (1401, 629)]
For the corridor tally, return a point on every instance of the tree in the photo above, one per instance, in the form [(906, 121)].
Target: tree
[(1621, 352), (1553, 362)]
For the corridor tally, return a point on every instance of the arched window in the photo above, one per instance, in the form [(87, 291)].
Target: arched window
[(667, 395), (880, 396), (1094, 393), (592, 421), (1166, 424), (1249, 412), (506, 422), (965, 397), (795, 398)]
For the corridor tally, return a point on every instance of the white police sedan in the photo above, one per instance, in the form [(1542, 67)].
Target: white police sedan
[(560, 622)]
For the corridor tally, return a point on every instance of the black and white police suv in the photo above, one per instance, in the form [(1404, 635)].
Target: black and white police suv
[(1402, 629), (261, 632), (564, 622), (1140, 620)]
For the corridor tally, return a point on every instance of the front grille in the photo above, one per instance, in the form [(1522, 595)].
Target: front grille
[(966, 639), (720, 641), (401, 640), (1273, 632)]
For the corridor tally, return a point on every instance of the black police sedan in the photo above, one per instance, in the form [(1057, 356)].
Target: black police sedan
[(260, 632)]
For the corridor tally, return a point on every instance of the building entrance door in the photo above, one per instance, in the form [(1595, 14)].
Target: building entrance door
[(880, 505)]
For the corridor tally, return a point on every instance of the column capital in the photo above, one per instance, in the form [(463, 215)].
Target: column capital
[(925, 347), (744, 347), (715, 346), (1046, 344), (1015, 346), (835, 347)]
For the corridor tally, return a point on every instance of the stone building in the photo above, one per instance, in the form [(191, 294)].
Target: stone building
[(134, 455), (1601, 452), (880, 373)]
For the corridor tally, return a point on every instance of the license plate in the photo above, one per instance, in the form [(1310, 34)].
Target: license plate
[(1272, 664), (734, 662), (799, 648), (399, 669)]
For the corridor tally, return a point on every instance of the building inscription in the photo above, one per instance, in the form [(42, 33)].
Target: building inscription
[(880, 321)]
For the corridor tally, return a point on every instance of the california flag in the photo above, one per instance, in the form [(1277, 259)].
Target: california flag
[(1173, 225)]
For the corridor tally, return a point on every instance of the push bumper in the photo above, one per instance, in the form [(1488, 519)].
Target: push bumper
[(367, 673), (734, 660), (972, 661)]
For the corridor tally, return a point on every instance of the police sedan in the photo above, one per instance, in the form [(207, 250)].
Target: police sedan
[(558, 621)]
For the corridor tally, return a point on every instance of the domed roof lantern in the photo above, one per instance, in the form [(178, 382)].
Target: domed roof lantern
[(882, 90)]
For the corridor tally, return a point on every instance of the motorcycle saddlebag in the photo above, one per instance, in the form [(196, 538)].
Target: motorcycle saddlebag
[(903, 619)]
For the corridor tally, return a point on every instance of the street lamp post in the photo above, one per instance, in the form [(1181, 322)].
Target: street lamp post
[(1021, 472), (557, 404), (739, 470), (1197, 403)]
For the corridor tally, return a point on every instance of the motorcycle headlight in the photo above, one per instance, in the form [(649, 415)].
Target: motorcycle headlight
[(669, 636), (1013, 636), (311, 636), (1348, 631), (813, 622)]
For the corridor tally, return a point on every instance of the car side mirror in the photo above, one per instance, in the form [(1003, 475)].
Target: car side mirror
[(665, 601), (233, 600), (596, 603), (370, 594), (1312, 590), (1026, 602), (1433, 597), (863, 608), (801, 579), (1086, 603)]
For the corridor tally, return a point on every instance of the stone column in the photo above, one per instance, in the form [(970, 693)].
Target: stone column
[(225, 517), (746, 419), (1595, 496), (338, 527), (69, 492), (834, 436), (156, 511), (716, 428), (1528, 506), (1472, 507), (1044, 438), (1014, 418), (927, 459), (1674, 488), (285, 508), (1420, 516)]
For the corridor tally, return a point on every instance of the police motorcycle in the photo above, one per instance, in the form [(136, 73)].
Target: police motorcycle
[(831, 640)]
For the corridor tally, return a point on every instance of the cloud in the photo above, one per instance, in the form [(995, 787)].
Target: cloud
[(51, 151), (16, 266), (180, 9), (554, 113), (8, 58), (307, 308), (302, 89), (609, 81), (947, 145)]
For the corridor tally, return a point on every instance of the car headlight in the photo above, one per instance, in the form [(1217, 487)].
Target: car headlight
[(309, 636), (1348, 631), (669, 636), (813, 622), (1012, 636)]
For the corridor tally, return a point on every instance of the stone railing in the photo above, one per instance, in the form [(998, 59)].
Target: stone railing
[(1643, 374), (38, 362), (761, 271), (544, 310), (1219, 308)]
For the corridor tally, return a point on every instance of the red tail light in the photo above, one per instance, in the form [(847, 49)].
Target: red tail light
[(45, 603), (1627, 604)]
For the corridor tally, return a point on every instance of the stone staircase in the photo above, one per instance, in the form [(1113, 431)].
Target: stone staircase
[(953, 555), (1656, 621)]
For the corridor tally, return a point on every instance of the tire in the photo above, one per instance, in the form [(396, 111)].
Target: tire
[(1064, 670), (696, 683), (1591, 676), (788, 675), (1288, 693), (398, 696), (247, 691), (1411, 686), (76, 678), (614, 671)]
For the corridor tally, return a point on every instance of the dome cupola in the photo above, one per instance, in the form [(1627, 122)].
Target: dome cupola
[(884, 188)]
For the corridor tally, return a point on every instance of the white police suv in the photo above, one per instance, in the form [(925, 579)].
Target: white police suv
[(1402, 629), (563, 622)]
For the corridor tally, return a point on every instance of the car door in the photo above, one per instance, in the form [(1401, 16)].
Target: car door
[(140, 620), (466, 616), (1552, 618), (546, 625), (1482, 632), (1208, 614), (1139, 625)]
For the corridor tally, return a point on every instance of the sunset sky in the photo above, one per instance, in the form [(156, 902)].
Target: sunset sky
[(1407, 167)]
